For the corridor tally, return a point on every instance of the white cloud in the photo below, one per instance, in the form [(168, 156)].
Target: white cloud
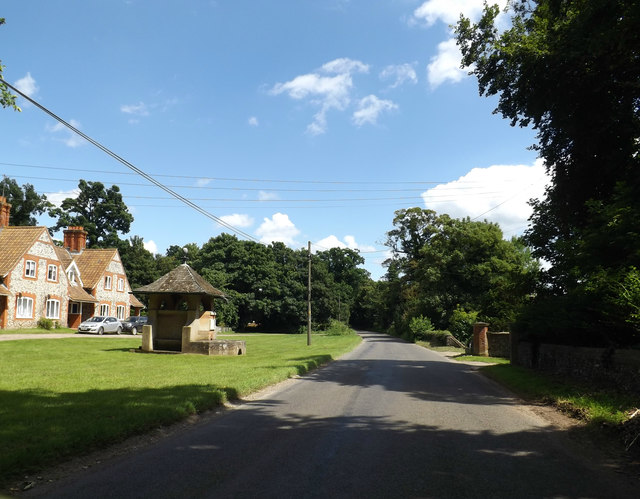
[(278, 228), (253, 121), (57, 197), (348, 242), (267, 196), (139, 109), (370, 108), (499, 193), (448, 11), (70, 138), (445, 65), (238, 220), (151, 246), (327, 88), (201, 182), (27, 85), (399, 74)]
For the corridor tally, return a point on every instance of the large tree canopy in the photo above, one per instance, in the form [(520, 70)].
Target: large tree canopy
[(101, 212), (571, 69), (25, 202)]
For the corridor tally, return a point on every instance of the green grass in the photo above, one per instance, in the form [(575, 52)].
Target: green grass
[(37, 330), (601, 406), (477, 358), (64, 397), (439, 348)]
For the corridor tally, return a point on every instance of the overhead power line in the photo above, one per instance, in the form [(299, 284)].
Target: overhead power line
[(133, 167)]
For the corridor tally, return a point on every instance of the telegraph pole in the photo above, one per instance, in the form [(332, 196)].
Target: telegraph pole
[(309, 298)]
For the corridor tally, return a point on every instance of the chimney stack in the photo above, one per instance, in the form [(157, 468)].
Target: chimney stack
[(5, 211), (75, 239)]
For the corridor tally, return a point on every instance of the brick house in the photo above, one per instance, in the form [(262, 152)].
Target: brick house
[(68, 285)]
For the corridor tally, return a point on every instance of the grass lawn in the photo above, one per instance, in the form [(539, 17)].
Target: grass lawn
[(64, 397), (37, 330)]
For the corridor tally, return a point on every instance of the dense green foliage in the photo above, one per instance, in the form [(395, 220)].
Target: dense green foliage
[(453, 271), (570, 69), (25, 202), (101, 212)]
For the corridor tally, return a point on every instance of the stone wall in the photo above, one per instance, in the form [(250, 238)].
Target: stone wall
[(620, 367), (499, 344)]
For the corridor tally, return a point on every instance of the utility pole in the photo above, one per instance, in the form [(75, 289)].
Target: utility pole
[(309, 298)]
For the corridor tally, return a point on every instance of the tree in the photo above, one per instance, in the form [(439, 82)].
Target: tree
[(443, 264), (25, 202), (7, 99), (570, 70), (101, 212), (138, 262)]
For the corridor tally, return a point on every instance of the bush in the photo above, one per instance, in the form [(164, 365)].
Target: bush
[(338, 328), (419, 327), (45, 323), (461, 324), (436, 337)]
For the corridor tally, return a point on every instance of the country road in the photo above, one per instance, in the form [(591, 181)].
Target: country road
[(390, 419)]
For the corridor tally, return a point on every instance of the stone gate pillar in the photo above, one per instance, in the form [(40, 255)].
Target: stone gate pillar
[(480, 344)]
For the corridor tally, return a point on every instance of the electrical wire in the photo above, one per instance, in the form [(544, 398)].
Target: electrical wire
[(134, 168)]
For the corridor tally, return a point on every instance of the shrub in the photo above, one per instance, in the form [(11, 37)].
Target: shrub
[(461, 324), (338, 328), (437, 337), (419, 327), (45, 323)]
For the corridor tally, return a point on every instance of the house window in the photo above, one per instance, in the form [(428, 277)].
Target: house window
[(120, 312), (107, 282), (24, 307), (104, 310), (53, 309), (75, 308), (52, 273), (120, 284), (72, 276), (30, 268)]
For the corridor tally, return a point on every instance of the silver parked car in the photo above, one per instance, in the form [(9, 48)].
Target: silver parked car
[(100, 324)]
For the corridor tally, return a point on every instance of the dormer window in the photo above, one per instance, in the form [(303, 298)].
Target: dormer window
[(107, 282), (72, 276)]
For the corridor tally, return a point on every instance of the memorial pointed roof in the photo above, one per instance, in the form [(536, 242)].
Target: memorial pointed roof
[(181, 280)]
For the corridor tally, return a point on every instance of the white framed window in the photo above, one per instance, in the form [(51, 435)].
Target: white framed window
[(24, 307), (30, 268), (52, 273), (107, 282), (104, 309), (120, 312), (120, 284), (71, 275), (53, 309)]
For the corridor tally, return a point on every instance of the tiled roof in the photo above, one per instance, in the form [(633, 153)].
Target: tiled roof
[(134, 302), (64, 257), (92, 264), (76, 293), (4, 291), (14, 243), (182, 280)]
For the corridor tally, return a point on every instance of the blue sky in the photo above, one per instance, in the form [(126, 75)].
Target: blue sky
[(295, 121)]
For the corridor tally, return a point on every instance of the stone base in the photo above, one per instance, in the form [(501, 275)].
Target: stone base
[(217, 347)]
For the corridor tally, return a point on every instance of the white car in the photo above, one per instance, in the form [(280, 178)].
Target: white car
[(100, 324)]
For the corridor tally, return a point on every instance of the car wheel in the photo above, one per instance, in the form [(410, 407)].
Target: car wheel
[(101, 330), (134, 331), (119, 330)]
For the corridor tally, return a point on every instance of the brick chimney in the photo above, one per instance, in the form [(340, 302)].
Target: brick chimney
[(5, 210), (75, 239)]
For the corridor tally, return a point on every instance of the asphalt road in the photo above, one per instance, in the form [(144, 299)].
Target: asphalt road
[(390, 419)]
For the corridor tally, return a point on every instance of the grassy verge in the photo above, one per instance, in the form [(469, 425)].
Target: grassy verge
[(439, 348), (601, 406), (64, 397), (37, 330), (476, 358)]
